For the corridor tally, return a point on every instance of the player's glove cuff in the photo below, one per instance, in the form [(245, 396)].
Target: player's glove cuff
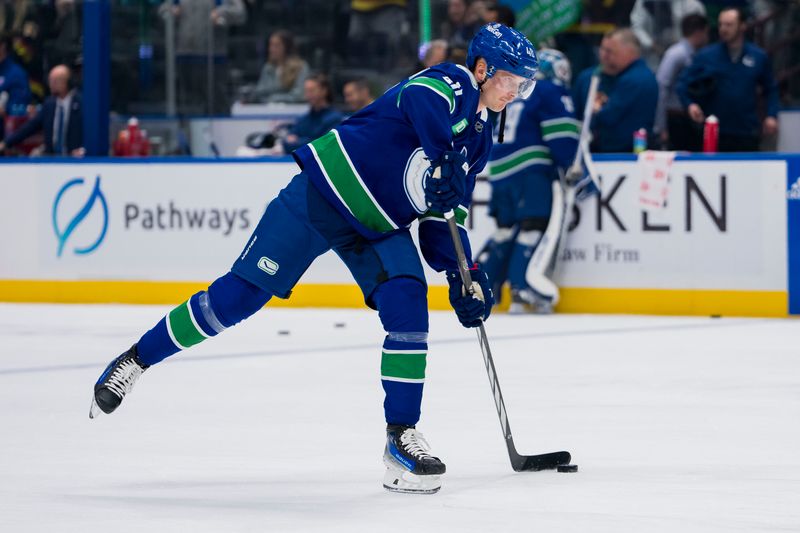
[(475, 307)]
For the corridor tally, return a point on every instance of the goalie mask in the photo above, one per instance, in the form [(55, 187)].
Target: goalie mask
[(554, 66)]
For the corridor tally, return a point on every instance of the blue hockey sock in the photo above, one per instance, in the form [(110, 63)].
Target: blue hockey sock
[(495, 256), (403, 310), (228, 300), (521, 255)]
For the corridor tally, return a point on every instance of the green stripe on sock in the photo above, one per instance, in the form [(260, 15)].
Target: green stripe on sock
[(345, 181), (403, 365), (180, 323)]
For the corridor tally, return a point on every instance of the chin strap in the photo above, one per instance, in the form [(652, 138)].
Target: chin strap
[(502, 126), (502, 114)]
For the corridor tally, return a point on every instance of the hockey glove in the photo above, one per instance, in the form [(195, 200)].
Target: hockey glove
[(585, 189), (444, 193), (583, 183), (471, 309)]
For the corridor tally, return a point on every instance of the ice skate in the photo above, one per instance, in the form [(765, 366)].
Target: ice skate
[(518, 305), (409, 466), (116, 381), (526, 301)]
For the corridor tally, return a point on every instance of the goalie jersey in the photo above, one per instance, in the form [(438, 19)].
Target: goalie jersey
[(539, 132), (372, 167)]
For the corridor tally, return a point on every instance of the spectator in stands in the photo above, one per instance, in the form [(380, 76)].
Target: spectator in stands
[(500, 13), (284, 73), (63, 31), (379, 34), (461, 24), (320, 118), (673, 126), (20, 19), (723, 80), (657, 24), (60, 118), (433, 53), (581, 40), (627, 97), (199, 26), (15, 94), (357, 94)]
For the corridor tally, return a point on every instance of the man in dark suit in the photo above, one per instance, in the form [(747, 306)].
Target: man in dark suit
[(60, 118)]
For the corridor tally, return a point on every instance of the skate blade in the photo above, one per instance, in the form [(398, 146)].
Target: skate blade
[(517, 308), (94, 409), (407, 483)]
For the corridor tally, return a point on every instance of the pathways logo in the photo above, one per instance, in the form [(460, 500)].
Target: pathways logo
[(794, 191), (66, 203)]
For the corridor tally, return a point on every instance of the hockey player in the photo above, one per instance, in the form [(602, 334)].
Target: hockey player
[(360, 188), (540, 139)]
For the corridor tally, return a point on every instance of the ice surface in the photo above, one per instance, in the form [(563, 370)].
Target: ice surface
[(678, 424)]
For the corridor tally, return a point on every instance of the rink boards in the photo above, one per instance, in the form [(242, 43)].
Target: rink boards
[(154, 231)]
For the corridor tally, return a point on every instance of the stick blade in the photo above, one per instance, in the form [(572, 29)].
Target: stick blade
[(544, 461)]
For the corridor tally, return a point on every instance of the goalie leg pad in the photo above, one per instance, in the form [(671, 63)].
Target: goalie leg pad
[(538, 275)]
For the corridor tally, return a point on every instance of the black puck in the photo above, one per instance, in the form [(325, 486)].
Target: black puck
[(283, 332), (339, 325), (567, 468)]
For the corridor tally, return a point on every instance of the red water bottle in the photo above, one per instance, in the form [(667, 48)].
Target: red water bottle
[(132, 141), (710, 135)]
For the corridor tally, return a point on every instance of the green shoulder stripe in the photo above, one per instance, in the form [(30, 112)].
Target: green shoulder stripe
[(437, 86)]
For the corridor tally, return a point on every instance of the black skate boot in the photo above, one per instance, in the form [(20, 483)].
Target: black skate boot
[(116, 381), (409, 466)]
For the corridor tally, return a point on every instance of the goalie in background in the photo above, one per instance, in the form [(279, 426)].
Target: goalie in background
[(540, 140)]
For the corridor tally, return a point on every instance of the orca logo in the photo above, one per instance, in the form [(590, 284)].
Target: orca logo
[(63, 235)]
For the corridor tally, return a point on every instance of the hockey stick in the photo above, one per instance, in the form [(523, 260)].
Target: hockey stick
[(520, 463)]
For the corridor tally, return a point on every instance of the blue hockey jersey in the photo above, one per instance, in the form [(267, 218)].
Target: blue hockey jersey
[(372, 167), (539, 132)]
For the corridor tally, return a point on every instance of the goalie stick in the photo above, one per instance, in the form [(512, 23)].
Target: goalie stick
[(543, 263), (520, 463)]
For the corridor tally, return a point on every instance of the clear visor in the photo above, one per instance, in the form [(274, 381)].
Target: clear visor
[(521, 87)]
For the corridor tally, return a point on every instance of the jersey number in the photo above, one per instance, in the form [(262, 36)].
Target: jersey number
[(568, 105), (456, 86)]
